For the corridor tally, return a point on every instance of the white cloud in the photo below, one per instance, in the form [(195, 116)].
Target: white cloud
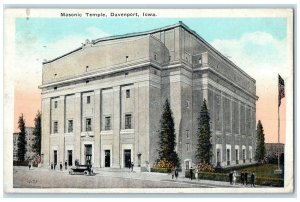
[(257, 53)]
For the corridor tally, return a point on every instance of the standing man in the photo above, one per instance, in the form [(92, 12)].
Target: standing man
[(191, 173), (129, 165), (253, 179), (230, 177), (132, 166), (246, 178), (66, 164), (242, 178), (176, 173)]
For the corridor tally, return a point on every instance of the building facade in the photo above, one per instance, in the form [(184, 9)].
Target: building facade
[(30, 153), (15, 147), (103, 101)]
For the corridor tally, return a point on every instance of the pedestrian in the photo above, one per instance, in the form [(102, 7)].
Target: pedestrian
[(242, 178), (197, 174), (173, 173), (176, 173), (246, 178), (129, 165), (234, 177), (191, 173), (230, 177), (132, 166), (54, 165), (252, 179), (51, 165), (66, 165), (29, 164)]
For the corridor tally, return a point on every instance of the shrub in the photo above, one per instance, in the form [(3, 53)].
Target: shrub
[(20, 163), (161, 170), (205, 167), (163, 164), (264, 181)]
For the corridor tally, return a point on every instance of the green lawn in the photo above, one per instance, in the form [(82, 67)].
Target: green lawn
[(265, 170)]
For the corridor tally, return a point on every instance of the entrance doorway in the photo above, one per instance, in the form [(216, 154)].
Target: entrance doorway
[(88, 154), (218, 157), (107, 158), (55, 157), (70, 158), (127, 157)]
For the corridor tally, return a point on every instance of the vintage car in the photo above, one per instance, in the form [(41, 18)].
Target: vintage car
[(81, 169)]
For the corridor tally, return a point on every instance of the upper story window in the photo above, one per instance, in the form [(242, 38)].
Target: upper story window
[(187, 132), (200, 60), (55, 88), (88, 99), (87, 68), (88, 124), (55, 104), (107, 123), (70, 126), (55, 127), (127, 93), (155, 57), (127, 57), (128, 120), (187, 104), (188, 147)]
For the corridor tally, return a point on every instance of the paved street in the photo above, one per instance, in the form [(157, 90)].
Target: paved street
[(103, 178)]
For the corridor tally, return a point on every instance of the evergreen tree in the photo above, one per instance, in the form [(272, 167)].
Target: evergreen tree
[(21, 139), (260, 143), (167, 137), (204, 147), (37, 133)]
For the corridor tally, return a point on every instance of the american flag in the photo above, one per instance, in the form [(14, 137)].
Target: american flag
[(281, 92)]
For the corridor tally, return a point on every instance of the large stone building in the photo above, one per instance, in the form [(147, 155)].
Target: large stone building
[(103, 101), (30, 139)]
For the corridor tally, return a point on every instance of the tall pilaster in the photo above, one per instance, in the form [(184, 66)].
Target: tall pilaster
[(61, 129), (116, 128), (97, 128), (77, 131)]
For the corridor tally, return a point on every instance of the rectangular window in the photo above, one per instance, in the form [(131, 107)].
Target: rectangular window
[(237, 156), (187, 134), (127, 121), (88, 124), (70, 126), (228, 156), (188, 147), (88, 99), (155, 57), (107, 123), (187, 104), (55, 127), (55, 104), (244, 155), (127, 93)]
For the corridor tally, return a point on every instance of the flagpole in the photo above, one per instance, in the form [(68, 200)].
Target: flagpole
[(278, 134)]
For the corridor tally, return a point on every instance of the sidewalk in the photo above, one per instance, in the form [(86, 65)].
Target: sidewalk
[(152, 176)]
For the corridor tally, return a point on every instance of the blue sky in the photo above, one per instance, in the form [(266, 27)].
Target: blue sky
[(51, 29)]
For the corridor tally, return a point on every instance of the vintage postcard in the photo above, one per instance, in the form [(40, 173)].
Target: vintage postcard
[(148, 100)]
